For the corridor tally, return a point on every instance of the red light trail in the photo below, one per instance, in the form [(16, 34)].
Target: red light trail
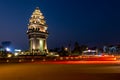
[(79, 62)]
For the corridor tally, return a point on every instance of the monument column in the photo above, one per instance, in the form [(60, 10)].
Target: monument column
[(37, 32)]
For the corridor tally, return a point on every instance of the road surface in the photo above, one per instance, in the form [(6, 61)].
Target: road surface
[(41, 71)]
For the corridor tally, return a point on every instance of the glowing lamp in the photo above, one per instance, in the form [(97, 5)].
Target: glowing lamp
[(9, 55), (8, 49)]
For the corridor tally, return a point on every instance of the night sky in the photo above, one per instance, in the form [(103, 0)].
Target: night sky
[(90, 22)]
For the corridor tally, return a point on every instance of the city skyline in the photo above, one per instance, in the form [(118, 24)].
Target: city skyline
[(87, 22)]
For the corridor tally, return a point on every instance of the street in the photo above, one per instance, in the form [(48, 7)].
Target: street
[(41, 71)]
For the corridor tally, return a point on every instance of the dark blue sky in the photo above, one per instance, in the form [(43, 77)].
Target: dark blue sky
[(91, 22)]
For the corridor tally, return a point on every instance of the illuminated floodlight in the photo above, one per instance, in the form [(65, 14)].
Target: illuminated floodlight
[(17, 50), (9, 55), (89, 50), (66, 49), (16, 54), (8, 49)]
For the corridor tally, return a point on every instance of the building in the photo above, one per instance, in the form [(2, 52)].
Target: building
[(37, 33)]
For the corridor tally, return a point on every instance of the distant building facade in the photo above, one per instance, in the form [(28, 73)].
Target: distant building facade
[(37, 33), (112, 49)]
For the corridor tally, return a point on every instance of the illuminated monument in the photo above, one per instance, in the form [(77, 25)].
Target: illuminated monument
[(37, 33)]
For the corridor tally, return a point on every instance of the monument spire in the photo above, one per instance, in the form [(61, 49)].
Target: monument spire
[(37, 32)]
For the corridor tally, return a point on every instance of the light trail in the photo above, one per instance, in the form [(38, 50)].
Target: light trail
[(79, 62)]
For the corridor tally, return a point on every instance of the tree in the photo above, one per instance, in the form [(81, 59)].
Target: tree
[(76, 49), (83, 48), (63, 52)]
